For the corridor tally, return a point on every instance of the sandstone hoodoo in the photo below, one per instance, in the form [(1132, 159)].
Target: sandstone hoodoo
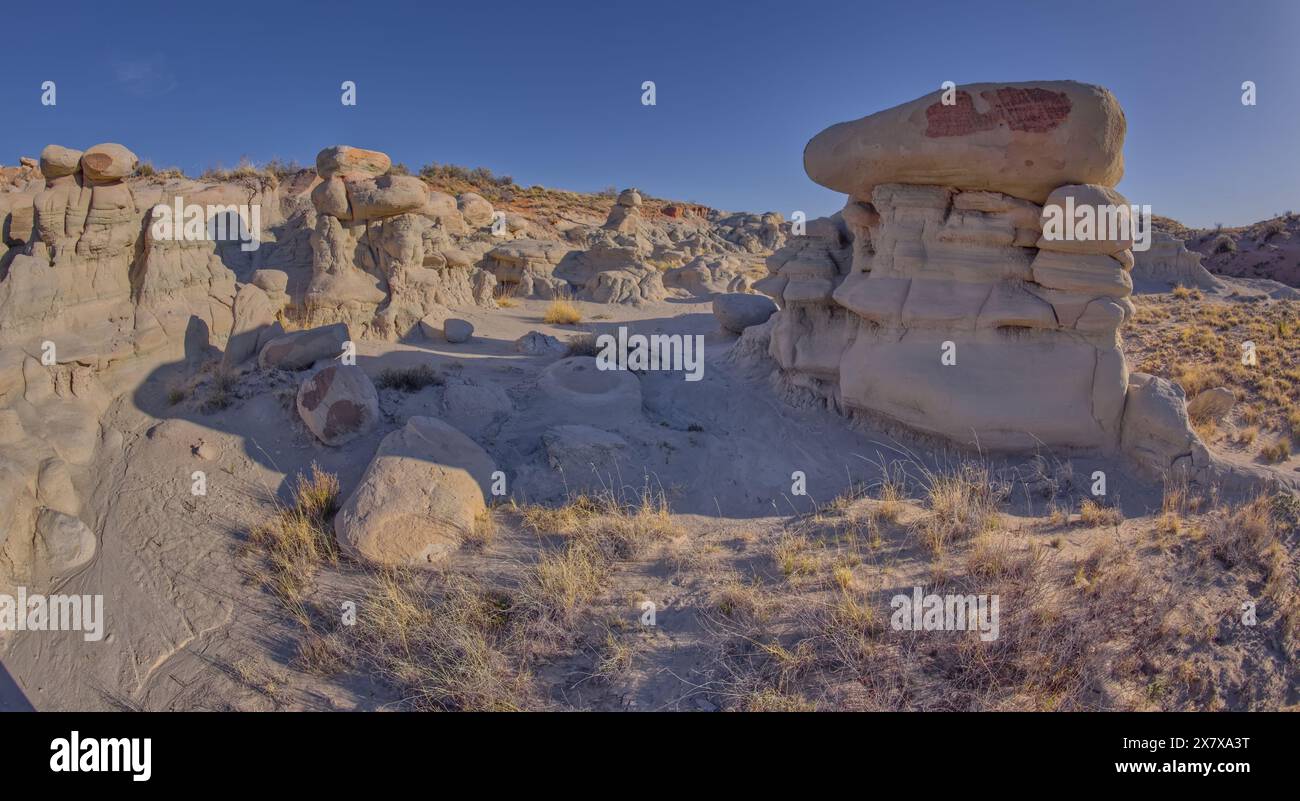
[(383, 254), (934, 300)]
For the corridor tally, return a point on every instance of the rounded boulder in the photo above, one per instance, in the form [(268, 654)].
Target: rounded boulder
[(737, 311), (424, 491), (338, 404)]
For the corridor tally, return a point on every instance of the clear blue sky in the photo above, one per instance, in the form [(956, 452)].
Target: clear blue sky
[(550, 92)]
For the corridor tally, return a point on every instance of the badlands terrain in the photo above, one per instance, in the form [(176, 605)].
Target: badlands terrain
[(369, 459)]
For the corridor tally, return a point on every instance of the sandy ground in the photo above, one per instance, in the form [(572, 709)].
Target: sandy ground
[(187, 628)]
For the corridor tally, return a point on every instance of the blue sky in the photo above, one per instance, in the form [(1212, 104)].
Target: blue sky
[(550, 93)]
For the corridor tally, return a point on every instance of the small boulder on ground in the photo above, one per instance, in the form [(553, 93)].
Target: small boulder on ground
[(1211, 404), (535, 343), (737, 311), (456, 330), (473, 408), (338, 403), (301, 349), (579, 449), (575, 390), (1156, 431), (425, 490)]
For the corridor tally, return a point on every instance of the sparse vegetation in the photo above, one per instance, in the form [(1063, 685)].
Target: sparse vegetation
[(297, 540), (962, 503), (410, 379), (583, 345), (1199, 346), (220, 390), (562, 312)]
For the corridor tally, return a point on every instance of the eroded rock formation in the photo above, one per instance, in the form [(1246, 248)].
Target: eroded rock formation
[(382, 252), (933, 299)]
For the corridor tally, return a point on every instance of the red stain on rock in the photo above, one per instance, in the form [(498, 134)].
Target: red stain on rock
[(318, 386), (1034, 110), (1030, 110), (344, 416)]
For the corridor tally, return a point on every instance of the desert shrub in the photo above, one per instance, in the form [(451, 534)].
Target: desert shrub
[(297, 539), (446, 645), (409, 379), (1278, 451), (562, 312), (963, 502), (1092, 513), (583, 345), (1223, 244)]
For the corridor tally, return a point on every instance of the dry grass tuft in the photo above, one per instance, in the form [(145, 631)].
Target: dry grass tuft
[(409, 379), (1094, 514), (583, 345), (562, 312), (963, 503), (450, 648), (297, 540)]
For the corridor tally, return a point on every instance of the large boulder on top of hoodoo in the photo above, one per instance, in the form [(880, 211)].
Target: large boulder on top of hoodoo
[(424, 491), (108, 162), (348, 160), (1021, 139), (58, 161)]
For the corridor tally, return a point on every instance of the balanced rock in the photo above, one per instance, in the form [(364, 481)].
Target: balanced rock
[(737, 311), (424, 491), (108, 162), (344, 160), (57, 161), (384, 196), (338, 403), (936, 299), (1020, 139)]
